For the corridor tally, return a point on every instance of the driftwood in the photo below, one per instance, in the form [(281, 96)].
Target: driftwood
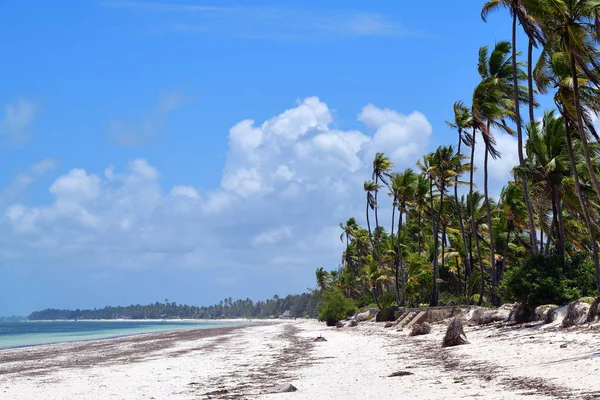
[(455, 334), (421, 329)]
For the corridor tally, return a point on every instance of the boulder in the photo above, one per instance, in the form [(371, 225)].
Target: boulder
[(541, 312), (339, 324), (352, 323), (331, 322), (365, 315), (484, 317), (388, 325), (521, 313), (593, 311), (576, 314)]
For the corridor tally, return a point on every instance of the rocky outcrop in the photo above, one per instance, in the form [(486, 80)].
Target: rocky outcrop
[(421, 329), (541, 312), (484, 317), (352, 323), (521, 313), (282, 388), (576, 314), (339, 324), (365, 315)]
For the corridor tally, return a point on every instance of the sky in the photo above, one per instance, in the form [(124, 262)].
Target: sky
[(196, 150)]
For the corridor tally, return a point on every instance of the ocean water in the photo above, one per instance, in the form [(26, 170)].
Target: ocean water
[(31, 333)]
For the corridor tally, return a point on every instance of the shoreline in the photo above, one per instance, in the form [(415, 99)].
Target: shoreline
[(360, 362), (127, 335)]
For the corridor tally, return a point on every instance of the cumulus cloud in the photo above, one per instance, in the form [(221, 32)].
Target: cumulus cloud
[(15, 124), (287, 183)]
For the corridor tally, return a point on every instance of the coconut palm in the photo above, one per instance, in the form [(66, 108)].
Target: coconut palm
[(370, 188), (462, 122), (519, 12), (382, 167)]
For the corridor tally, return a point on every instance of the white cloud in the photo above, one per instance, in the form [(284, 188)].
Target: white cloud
[(19, 185), (270, 23), (287, 183), (272, 236), (16, 122), (148, 127)]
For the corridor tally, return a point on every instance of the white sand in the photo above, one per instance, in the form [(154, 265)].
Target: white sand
[(354, 363)]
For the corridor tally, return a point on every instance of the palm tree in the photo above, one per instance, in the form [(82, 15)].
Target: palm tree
[(370, 187), (382, 167), (445, 165), (492, 104), (547, 165), (462, 121), (574, 25), (403, 189), (348, 232), (519, 12)]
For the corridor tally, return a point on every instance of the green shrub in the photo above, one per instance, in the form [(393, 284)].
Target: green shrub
[(449, 299), (387, 300), (546, 280), (334, 306), (365, 301)]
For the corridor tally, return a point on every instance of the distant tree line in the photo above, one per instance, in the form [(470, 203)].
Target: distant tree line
[(302, 305)]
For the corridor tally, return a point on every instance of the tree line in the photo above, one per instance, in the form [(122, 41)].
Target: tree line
[(447, 245), (303, 305)]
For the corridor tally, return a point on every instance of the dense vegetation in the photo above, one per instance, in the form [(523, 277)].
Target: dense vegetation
[(538, 242), (303, 305)]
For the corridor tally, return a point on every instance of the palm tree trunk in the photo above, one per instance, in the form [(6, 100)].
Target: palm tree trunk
[(436, 269), (393, 216), (473, 224), (369, 226), (458, 274), (490, 227), (532, 234), (584, 210), (377, 233), (580, 128), (461, 224), (419, 231), (400, 263), (501, 272), (559, 223)]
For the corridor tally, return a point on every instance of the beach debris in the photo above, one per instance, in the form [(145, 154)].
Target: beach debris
[(563, 346), (339, 324), (388, 325), (283, 388), (576, 314), (216, 392), (455, 334), (399, 373), (319, 339), (593, 311), (352, 323), (421, 329)]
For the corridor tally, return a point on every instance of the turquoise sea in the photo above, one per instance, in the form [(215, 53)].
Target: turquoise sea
[(31, 333)]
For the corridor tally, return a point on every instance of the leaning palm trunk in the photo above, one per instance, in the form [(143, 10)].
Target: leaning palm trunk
[(462, 227), (473, 224), (377, 233), (532, 234), (369, 226), (400, 266), (580, 127), (490, 227), (584, 210), (559, 223), (436, 268)]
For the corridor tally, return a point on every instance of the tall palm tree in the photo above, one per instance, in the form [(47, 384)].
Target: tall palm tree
[(382, 167), (493, 102), (462, 121), (519, 12), (370, 188), (574, 24)]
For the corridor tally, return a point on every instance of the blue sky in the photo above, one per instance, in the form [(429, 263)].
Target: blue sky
[(131, 170)]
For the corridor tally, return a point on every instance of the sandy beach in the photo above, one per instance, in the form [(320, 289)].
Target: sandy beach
[(354, 363)]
